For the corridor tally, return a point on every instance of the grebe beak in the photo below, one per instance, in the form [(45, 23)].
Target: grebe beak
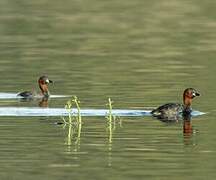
[(48, 81), (195, 94)]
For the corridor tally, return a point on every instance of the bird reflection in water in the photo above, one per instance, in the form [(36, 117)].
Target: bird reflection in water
[(44, 102), (187, 125), (188, 131)]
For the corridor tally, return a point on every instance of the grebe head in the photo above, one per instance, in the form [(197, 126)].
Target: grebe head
[(188, 95), (43, 82)]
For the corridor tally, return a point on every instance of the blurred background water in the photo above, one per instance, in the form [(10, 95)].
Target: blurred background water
[(141, 54)]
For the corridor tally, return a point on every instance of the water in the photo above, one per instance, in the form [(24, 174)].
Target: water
[(141, 54), (41, 111)]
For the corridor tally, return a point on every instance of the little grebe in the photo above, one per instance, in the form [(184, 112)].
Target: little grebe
[(172, 110), (43, 82)]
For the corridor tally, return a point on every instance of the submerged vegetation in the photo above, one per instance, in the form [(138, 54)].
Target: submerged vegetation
[(74, 121), (72, 115), (111, 119), (74, 135)]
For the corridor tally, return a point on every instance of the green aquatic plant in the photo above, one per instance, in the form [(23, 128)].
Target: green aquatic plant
[(74, 135), (77, 103), (72, 115), (109, 114), (74, 122), (69, 136), (110, 119), (68, 107)]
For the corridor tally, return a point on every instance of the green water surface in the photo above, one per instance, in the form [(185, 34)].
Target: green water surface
[(140, 53)]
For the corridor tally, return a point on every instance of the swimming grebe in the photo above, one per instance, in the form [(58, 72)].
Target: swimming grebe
[(171, 111), (43, 82)]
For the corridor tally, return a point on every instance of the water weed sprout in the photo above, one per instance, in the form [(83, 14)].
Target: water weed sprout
[(72, 115), (74, 128), (74, 136), (110, 118), (77, 103)]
